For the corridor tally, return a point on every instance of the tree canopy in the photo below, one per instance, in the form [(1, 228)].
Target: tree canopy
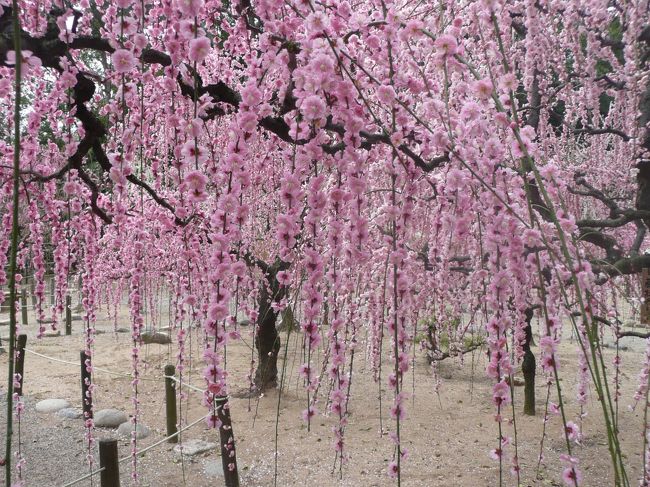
[(372, 164)]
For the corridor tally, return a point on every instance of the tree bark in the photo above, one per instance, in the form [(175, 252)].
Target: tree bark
[(267, 339), (267, 342), (528, 368), (643, 157)]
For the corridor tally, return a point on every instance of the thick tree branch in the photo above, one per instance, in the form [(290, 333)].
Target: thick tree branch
[(601, 131), (94, 194), (50, 49)]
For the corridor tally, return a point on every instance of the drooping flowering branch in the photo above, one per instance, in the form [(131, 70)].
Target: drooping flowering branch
[(13, 245)]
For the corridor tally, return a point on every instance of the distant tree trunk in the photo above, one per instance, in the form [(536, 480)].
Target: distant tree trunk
[(528, 367), (267, 342), (267, 339)]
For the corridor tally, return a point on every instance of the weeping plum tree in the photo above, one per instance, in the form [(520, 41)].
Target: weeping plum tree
[(231, 151)]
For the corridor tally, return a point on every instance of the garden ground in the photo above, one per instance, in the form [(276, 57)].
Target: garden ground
[(448, 437)]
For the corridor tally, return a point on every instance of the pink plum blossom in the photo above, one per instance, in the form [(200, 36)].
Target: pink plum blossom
[(199, 49), (123, 61)]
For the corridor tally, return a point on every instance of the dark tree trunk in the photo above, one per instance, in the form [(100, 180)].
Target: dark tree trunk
[(267, 339), (643, 157), (528, 368), (432, 345), (267, 342)]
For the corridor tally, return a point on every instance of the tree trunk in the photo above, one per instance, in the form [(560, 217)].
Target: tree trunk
[(643, 158), (528, 368), (267, 339)]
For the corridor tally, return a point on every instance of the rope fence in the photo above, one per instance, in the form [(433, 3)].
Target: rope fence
[(140, 452), (184, 384), (108, 458), (117, 374), (219, 403)]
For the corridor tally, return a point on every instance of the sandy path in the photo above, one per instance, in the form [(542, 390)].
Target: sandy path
[(448, 439)]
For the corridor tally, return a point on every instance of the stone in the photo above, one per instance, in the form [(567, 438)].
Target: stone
[(244, 322), (518, 382), (46, 321), (70, 413), (195, 447), (157, 337), (4, 307), (51, 405), (52, 333), (141, 431), (213, 468), (288, 322), (109, 418), (4, 322)]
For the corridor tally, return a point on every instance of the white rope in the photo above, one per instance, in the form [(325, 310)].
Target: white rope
[(98, 369), (189, 386), (144, 450), (118, 374), (198, 389), (51, 358), (87, 476), (139, 452)]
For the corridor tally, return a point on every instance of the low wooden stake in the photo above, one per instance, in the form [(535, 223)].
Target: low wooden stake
[(32, 291), (23, 305), (20, 363), (52, 291), (110, 476), (227, 438), (170, 402), (68, 315), (86, 399)]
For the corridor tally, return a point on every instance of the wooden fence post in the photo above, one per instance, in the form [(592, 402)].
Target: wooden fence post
[(68, 315), (52, 291), (227, 439), (23, 305), (32, 291), (20, 363), (86, 399), (170, 402), (110, 476)]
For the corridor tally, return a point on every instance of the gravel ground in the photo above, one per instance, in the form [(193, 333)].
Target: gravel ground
[(448, 437)]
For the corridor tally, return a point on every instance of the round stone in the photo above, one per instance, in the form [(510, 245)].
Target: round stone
[(213, 468), (51, 405), (70, 413), (125, 429), (157, 337), (109, 418), (195, 447)]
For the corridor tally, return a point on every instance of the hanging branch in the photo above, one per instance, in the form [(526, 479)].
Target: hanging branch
[(13, 252)]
